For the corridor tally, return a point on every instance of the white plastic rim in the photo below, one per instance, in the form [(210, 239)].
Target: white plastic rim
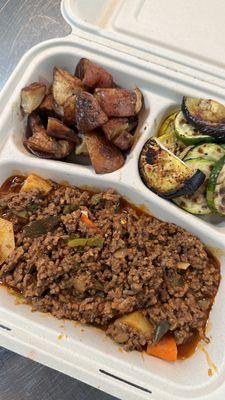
[(80, 351)]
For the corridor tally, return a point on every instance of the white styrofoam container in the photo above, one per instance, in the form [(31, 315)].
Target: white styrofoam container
[(80, 351)]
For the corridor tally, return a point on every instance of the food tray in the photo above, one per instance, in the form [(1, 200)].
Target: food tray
[(80, 351)]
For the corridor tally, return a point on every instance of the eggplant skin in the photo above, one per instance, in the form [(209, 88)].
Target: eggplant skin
[(213, 128), (186, 186)]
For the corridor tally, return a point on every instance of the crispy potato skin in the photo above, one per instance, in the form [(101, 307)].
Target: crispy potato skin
[(93, 75), (117, 102), (41, 144), (59, 130), (32, 96), (64, 85), (105, 157), (89, 114)]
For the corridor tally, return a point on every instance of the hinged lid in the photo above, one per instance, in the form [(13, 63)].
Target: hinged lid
[(188, 36)]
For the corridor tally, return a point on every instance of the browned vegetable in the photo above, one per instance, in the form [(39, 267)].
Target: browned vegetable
[(64, 85), (41, 226), (32, 96), (7, 243), (105, 157), (115, 126), (58, 129), (69, 108), (89, 114), (42, 145), (47, 107), (92, 75), (118, 102), (124, 141)]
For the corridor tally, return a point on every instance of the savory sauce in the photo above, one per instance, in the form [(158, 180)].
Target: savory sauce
[(12, 184)]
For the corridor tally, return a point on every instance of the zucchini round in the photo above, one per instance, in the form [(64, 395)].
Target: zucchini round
[(208, 151), (215, 194), (206, 115), (168, 124), (187, 133), (196, 203), (165, 174)]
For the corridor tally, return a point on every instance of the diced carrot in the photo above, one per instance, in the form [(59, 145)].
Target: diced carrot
[(86, 220), (166, 348)]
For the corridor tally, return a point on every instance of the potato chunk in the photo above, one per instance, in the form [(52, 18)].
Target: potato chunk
[(32, 96), (89, 114), (36, 182), (59, 130), (64, 85), (7, 242), (139, 322), (93, 75), (118, 102)]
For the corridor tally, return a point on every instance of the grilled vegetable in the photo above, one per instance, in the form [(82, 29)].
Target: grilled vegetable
[(166, 349), (167, 126), (92, 75), (206, 115), (59, 130), (165, 174), (216, 188), (208, 151), (82, 242), (89, 114), (139, 322), (105, 157), (196, 203), (32, 96), (187, 133), (7, 242), (36, 182), (64, 85), (119, 102), (41, 226)]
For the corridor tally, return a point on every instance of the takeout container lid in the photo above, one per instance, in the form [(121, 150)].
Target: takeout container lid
[(186, 36), (118, 35)]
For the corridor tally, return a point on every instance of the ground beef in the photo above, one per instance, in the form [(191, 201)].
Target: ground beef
[(135, 269)]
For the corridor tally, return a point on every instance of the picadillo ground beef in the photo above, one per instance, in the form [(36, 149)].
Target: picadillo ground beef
[(137, 268)]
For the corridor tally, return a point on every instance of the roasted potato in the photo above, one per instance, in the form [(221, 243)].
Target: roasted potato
[(69, 110), (117, 130), (32, 96), (118, 102), (7, 243), (92, 75), (89, 114), (123, 141), (43, 145), (64, 85), (36, 182), (139, 322), (59, 130), (105, 157), (46, 105)]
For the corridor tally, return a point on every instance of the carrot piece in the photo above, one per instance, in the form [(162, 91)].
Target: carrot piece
[(166, 348), (86, 220)]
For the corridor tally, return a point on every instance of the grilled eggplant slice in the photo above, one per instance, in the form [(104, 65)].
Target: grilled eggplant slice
[(208, 151), (59, 130), (165, 174), (64, 85), (89, 114), (216, 188), (206, 115), (105, 157), (93, 75), (196, 203), (32, 96), (187, 133), (119, 102), (42, 145)]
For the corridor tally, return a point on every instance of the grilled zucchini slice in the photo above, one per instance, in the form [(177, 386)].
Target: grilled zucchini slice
[(208, 151), (196, 203), (168, 124), (206, 115), (165, 174), (187, 133), (216, 188)]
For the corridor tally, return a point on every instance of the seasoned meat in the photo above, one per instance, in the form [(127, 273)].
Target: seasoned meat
[(92, 75), (136, 267), (89, 114), (119, 102)]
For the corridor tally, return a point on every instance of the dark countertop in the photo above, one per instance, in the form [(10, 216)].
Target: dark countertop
[(24, 23)]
